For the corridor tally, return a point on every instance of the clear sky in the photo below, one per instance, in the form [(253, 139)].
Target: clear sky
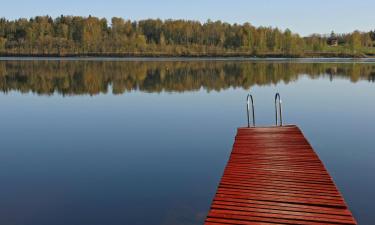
[(301, 16)]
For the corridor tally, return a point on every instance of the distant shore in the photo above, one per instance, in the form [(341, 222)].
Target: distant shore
[(77, 36), (195, 55), (162, 59)]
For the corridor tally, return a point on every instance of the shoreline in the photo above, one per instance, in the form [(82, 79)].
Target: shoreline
[(194, 55), (190, 58)]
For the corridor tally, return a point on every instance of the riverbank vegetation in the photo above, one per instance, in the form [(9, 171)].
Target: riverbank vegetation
[(92, 36)]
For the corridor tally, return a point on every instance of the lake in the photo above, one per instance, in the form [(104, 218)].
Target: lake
[(145, 141)]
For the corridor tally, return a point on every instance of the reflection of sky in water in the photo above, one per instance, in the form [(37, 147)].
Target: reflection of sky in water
[(156, 158)]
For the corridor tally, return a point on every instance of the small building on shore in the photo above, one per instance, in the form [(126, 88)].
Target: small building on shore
[(333, 40)]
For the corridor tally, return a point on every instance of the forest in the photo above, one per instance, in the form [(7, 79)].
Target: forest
[(93, 36)]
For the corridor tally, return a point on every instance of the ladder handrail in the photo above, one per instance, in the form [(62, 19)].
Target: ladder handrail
[(250, 97), (277, 96)]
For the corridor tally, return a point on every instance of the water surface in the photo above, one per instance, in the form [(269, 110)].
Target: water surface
[(146, 141)]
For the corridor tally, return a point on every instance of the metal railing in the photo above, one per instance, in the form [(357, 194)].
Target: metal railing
[(278, 110), (278, 100), (248, 99)]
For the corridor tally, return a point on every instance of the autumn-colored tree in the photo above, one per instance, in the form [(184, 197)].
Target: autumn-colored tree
[(355, 41)]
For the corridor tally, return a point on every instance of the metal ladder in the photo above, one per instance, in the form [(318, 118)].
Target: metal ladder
[(278, 111)]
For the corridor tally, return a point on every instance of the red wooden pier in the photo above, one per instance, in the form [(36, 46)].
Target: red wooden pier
[(274, 177)]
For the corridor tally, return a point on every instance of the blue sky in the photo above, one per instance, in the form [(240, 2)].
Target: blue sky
[(301, 16)]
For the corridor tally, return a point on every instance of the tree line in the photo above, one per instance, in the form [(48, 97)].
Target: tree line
[(75, 35), (93, 77)]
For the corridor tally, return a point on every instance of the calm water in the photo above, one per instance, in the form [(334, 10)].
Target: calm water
[(96, 142)]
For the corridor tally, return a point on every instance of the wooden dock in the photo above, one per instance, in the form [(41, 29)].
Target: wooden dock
[(274, 177)]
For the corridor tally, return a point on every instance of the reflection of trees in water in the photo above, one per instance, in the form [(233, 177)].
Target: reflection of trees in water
[(93, 77)]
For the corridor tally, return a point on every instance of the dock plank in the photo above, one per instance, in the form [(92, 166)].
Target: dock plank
[(274, 176)]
